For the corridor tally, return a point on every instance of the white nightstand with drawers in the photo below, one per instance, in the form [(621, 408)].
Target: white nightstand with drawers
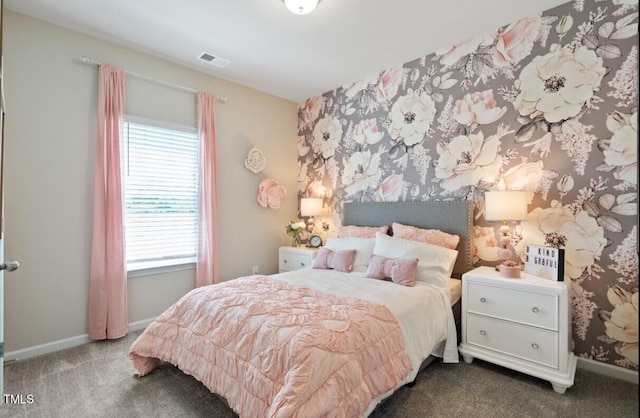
[(295, 258), (523, 324)]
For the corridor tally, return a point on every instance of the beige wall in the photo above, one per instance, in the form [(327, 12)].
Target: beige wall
[(50, 122)]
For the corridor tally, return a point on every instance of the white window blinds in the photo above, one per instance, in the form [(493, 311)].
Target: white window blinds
[(160, 176)]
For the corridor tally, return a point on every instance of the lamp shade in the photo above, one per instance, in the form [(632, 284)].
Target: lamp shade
[(301, 7), (507, 205), (310, 206)]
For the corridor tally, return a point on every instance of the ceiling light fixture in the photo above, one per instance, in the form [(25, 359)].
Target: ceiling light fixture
[(301, 7)]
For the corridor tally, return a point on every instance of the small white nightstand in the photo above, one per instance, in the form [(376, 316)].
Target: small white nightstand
[(523, 324), (294, 258)]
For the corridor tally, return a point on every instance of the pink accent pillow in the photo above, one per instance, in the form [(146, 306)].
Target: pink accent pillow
[(341, 260), (430, 236), (352, 231), (400, 270)]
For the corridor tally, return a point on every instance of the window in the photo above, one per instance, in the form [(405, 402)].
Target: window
[(160, 178)]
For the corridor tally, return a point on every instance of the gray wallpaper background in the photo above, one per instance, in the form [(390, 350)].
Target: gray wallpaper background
[(547, 104)]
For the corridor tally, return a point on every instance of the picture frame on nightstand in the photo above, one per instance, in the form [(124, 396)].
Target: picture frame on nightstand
[(545, 262)]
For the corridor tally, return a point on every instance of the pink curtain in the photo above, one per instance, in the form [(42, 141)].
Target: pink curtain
[(108, 282), (208, 265)]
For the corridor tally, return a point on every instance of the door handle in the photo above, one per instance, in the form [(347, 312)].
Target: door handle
[(10, 265)]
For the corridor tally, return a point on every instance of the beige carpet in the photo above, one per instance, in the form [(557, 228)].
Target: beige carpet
[(97, 380)]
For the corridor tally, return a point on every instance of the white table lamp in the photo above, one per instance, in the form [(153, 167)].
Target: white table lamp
[(310, 207), (505, 206)]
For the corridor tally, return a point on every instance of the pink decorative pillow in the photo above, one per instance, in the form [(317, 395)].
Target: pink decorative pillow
[(430, 236), (363, 247), (352, 231), (435, 263), (341, 260), (400, 270)]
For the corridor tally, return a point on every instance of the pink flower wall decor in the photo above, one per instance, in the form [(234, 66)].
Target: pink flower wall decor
[(270, 193)]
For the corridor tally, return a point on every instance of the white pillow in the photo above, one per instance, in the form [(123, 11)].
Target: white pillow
[(363, 247), (435, 263)]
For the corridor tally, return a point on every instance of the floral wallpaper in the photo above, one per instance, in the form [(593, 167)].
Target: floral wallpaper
[(547, 104)]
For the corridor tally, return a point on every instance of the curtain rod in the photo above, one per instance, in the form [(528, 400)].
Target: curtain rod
[(88, 61)]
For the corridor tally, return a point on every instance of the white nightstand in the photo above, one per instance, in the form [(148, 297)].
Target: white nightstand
[(523, 324), (294, 258)]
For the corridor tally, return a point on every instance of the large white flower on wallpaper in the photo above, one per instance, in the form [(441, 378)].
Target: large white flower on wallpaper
[(466, 160), (361, 172), (326, 136), (558, 226), (367, 132), (557, 85), (515, 42), (530, 176), (310, 110), (352, 89), (389, 83), (316, 189), (411, 117), (478, 107), (524, 176), (484, 242), (621, 324), (622, 150), (453, 54), (392, 188)]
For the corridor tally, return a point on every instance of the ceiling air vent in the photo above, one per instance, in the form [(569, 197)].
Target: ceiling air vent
[(212, 59)]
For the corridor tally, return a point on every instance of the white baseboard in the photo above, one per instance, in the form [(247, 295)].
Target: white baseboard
[(51, 347), (608, 370), (138, 325), (47, 348)]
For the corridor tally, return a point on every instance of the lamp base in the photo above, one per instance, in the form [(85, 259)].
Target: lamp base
[(311, 225)]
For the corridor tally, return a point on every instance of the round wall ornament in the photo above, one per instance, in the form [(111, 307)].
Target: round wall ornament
[(270, 193), (255, 160)]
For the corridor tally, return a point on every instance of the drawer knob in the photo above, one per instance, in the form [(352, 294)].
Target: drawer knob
[(535, 346), (535, 309), (302, 264), (483, 332), (483, 300), (285, 261)]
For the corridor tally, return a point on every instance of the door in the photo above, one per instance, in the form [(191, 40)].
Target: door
[(8, 266)]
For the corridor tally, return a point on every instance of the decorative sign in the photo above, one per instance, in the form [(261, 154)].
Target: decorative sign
[(546, 262)]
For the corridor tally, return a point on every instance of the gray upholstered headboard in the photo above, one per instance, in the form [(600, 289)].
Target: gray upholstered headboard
[(454, 217)]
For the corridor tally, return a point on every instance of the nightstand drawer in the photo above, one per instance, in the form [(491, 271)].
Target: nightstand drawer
[(532, 344), (293, 261), (531, 308)]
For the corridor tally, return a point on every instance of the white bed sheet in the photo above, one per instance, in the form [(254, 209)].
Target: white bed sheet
[(423, 311), (455, 290)]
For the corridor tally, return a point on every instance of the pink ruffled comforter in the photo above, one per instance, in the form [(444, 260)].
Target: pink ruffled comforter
[(273, 349)]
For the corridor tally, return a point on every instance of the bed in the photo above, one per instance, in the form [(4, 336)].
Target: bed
[(455, 217), (323, 341)]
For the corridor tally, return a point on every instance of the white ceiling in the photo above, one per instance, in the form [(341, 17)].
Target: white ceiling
[(271, 49)]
